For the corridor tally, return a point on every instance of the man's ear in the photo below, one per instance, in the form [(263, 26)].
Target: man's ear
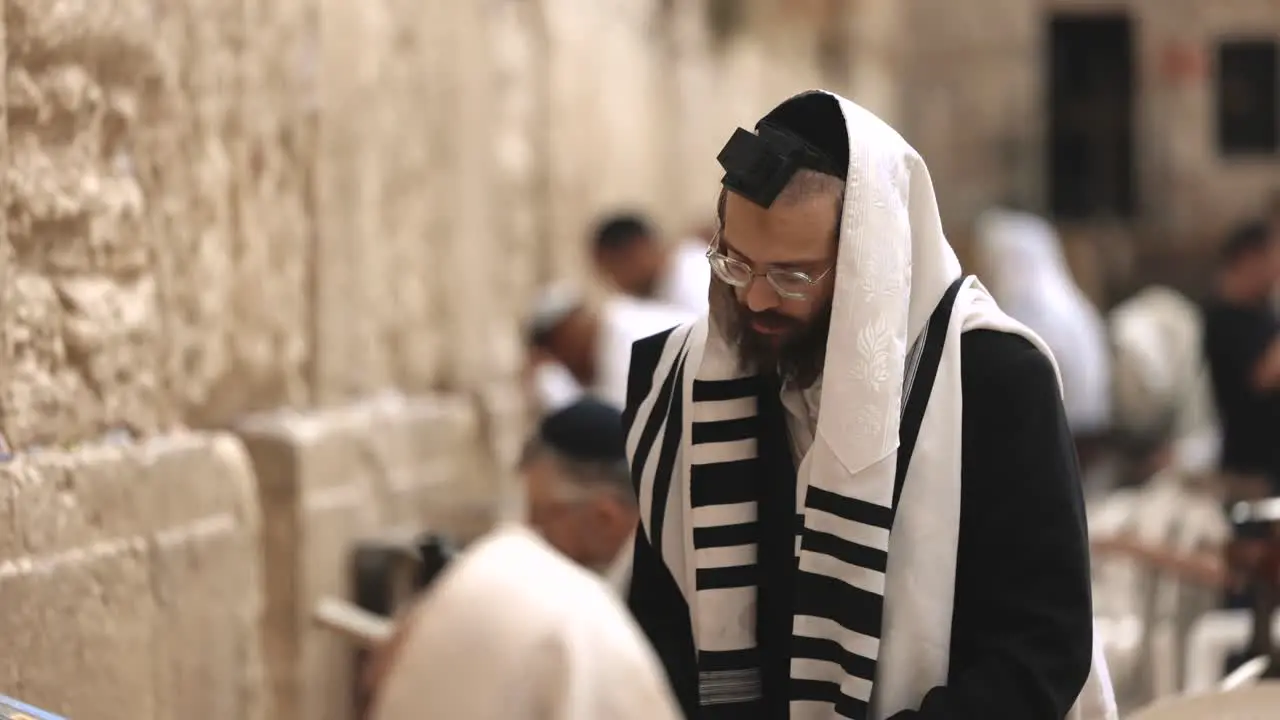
[(612, 513)]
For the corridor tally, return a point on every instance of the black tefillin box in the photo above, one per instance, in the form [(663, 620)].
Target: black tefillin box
[(387, 573)]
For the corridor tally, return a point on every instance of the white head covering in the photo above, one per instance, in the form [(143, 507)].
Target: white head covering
[(894, 266), (1027, 272), (1161, 375)]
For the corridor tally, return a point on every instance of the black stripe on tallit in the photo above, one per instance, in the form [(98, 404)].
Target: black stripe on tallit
[(851, 607), (666, 470), (734, 576), (831, 651), (717, 660), (829, 692), (717, 431), (721, 483), (713, 390), (722, 536), (845, 550), (852, 509)]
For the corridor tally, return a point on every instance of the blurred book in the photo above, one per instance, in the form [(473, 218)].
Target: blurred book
[(11, 709)]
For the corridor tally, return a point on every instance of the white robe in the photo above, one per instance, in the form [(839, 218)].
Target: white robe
[(623, 320), (688, 280), (516, 631)]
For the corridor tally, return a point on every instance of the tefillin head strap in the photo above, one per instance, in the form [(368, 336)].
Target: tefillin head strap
[(759, 165)]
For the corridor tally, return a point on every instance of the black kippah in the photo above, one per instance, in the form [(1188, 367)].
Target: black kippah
[(816, 118), (587, 430)]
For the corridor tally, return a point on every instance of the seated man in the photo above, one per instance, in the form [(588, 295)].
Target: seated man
[(577, 348), (516, 629)]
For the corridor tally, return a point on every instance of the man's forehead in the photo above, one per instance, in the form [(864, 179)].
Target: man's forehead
[(792, 232)]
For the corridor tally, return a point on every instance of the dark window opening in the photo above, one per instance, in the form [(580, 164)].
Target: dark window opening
[(1090, 110), (1248, 106)]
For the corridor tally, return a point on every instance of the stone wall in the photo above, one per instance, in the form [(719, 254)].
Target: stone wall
[(131, 581), (264, 264)]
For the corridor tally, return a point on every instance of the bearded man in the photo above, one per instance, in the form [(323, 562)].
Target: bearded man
[(858, 492)]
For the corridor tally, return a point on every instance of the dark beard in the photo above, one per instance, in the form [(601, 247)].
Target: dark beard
[(797, 358)]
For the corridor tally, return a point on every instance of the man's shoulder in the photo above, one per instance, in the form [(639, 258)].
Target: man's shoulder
[(994, 361), (653, 343), (513, 564), (647, 351)]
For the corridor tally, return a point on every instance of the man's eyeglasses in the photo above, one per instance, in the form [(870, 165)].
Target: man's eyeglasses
[(789, 284)]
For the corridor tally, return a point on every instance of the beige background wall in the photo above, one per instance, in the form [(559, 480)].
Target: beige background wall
[(264, 264), (974, 90)]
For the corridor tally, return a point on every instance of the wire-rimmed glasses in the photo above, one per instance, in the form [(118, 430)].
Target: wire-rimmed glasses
[(789, 284)]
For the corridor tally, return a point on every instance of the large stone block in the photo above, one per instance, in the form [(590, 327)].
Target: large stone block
[(224, 161), (82, 315), (329, 477), (404, 256), (607, 127), (130, 578)]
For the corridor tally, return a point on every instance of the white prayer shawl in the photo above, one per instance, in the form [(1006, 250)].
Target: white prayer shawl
[(1027, 272), (893, 267), (516, 631)]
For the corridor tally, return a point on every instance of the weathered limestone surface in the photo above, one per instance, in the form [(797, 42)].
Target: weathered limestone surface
[(325, 480), (82, 318), (609, 118), (130, 579), (228, 158)]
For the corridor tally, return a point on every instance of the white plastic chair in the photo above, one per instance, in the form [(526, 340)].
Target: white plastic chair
[(1212, 639), (1255, 702)]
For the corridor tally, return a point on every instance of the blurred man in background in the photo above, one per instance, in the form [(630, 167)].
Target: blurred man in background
[(579, 491), (515, 628), (630, 255), (1242, 344)]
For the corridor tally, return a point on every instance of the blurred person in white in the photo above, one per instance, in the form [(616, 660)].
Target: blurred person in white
[(515, 628), (1159, 371), (1158, 540), (1027, 273), (1158, 543), (576, 348), (631, 256)]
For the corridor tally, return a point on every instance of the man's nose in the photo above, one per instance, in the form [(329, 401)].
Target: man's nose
[(761, 296)]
